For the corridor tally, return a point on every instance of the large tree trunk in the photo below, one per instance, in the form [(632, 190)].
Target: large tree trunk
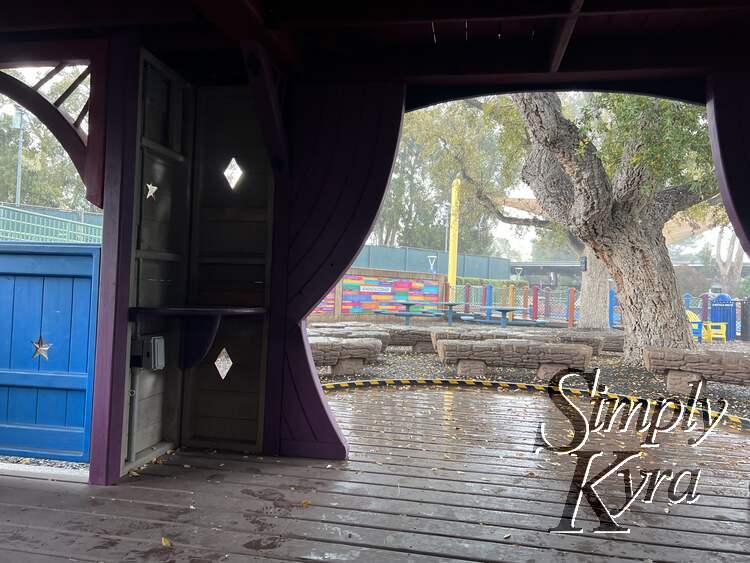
[(616, 217), (652, 310), (594, 300)]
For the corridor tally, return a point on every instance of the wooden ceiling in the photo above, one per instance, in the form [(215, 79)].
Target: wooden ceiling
[(441, 48)]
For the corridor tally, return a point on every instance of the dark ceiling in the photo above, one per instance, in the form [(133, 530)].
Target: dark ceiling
[(441, 49)]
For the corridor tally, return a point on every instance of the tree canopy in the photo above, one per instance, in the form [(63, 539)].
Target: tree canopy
[(48, 176), (415, 210)]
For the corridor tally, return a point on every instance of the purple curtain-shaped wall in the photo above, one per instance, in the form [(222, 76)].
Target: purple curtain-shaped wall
[(332, 165), (728, 103)]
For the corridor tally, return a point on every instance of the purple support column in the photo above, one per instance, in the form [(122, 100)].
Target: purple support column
[(112, 323)]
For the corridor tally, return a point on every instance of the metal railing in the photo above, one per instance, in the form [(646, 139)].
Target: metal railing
[(22, 225)]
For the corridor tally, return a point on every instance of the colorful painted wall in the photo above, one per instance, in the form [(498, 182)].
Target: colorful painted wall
[(363, 292)]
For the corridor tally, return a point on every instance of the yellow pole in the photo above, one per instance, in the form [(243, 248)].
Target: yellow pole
[(453, 242)]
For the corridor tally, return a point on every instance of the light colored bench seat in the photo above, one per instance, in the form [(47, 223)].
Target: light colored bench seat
[(346, 356), (472, 357)]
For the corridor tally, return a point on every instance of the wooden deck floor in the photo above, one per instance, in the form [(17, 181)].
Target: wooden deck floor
[(434, 474)]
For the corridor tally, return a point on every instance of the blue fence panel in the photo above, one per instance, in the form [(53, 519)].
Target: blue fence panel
[(723, 310), (48, 304), (499, 268), (476, 267)]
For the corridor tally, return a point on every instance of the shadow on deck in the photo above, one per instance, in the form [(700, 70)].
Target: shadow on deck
[(433, 474)]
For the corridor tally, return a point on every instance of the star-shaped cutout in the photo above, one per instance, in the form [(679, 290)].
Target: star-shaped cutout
[(151, 191), (41, 349)]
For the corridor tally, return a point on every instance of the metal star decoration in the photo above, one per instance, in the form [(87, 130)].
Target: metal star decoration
[(151, 191), (41, 349)]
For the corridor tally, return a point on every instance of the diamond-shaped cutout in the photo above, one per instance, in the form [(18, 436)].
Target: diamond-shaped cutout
[(223, 363), (233, 173)]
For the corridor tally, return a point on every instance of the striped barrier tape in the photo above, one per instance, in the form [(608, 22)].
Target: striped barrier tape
[(742, 423)]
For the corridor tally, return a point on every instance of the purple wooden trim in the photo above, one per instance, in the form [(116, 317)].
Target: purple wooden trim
[(112, 327), (327, 193), (728, 125), (86, 152), (93, 176), (268, 107), (58, 124), (48, 53)]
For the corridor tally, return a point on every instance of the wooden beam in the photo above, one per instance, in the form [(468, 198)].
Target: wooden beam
[(241, 20), (47, 77), (563, 34), (43, 15), (353, 15), (49, 53), (72, 88)]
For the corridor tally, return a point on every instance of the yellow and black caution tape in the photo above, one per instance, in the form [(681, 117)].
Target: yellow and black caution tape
[(739, 422)]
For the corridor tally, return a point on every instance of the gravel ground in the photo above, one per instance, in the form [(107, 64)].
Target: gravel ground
[(52, 463), (399, 362)]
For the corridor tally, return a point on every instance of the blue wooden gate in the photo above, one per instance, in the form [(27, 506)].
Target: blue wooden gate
[(48, 300)]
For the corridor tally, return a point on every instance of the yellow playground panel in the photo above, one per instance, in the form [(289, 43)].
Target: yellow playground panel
[(708, 330)]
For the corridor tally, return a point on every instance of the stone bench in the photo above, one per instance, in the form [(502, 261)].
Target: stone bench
[(346, 356), (557, 336), (472, 357), (418, 338), (683, 367), (354, 332)]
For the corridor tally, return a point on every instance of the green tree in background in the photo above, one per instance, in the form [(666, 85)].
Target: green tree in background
[(48, 178), (415, 208)]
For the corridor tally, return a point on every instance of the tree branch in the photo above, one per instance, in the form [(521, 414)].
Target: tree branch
[(548, 128), (666, 203), (486, 202), (550, 184)]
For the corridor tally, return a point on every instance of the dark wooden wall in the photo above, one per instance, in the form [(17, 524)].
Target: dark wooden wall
[(159, 268), (228, 268)]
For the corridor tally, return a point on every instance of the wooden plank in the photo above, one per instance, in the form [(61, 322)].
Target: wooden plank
[(79, 327), (27, 307), (517, 499), (416, 494), (57, 304), (7, 284)]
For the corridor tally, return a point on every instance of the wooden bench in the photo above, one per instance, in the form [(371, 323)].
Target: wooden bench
[(683, 367), (346, 356), (472, 357)]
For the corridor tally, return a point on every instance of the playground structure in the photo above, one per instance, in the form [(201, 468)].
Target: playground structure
[(368, 295), (715, 317), (365, 294)]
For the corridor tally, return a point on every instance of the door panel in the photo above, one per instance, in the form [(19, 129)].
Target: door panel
[(45, 402), (228, 268)]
